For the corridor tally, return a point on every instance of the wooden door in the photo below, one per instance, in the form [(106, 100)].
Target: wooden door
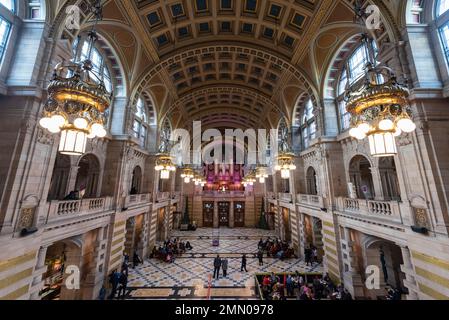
[(239, 214), (208, 214), (223, 214)]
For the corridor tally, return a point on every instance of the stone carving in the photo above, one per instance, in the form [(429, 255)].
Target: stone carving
[(26, 218), (45, 137), (404, 140), (421, 219)]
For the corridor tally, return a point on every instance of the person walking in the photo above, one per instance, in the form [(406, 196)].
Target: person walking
[(136, 260), (260, 257), (224, 266), (123, 284), (217, 265), (114, 281), (243, 263), (308, 256)]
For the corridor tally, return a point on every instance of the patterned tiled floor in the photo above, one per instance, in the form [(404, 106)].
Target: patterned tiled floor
[(188, 276)]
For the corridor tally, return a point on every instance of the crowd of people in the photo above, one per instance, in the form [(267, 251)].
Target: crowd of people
[(275, 287), (170, 249), (275, 248)]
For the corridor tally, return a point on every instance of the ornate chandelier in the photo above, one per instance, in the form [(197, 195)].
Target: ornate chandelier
[(379, 108), (380, 111), (285, 164), (164, 164), (261, 174), (77, 101), (187, 174), (249, 179)]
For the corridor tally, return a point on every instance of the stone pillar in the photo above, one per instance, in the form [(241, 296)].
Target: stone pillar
[(73, 258), (39, 270), (71, 183), (231, 214), (216, 217), (351, 273), (301, 235), (407, 268), (377, 184)]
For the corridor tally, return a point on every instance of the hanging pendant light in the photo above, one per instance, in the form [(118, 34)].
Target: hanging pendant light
[(187, 174), (77, 101), (165, 165), (261, 174), (285, 164), (379, 108)]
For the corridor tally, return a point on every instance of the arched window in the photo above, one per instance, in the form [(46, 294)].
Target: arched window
[(442, 22), (140, 126), (308, 124), (6, 23), (442, 7), (352, 72), (98, 63), (8, 4)]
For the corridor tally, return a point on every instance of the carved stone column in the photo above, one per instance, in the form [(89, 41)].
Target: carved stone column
[(407, 268)]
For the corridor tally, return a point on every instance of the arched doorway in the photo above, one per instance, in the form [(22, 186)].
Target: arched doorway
[(88, 176), (287, 232), (59, 256), (361, 178), (389, 179), (136, 181), (60, 178), (311, 178), (387, 256)]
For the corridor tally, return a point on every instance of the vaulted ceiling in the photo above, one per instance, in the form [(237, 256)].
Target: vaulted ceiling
[(229, 63)]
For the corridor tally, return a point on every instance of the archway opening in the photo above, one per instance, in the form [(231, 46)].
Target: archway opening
[(311, 178), (361, 178), (136, 181), (60, 178), (88, 176), (389, 179)]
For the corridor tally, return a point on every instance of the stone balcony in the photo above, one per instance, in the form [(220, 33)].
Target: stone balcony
[(63, 210), (387, 211), (310, 200), (228, 194), (286, 197), (137, 200), (163, 196)]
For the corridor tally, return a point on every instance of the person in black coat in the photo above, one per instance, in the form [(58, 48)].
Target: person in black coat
[(136, 260), (260, 257), (114, 281), (217, 265), (123, 280), (243, 263)]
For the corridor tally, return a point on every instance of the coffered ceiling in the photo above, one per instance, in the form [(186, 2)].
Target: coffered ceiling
[(241, 63)]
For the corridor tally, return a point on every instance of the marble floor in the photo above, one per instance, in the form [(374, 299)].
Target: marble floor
[(188, 277)]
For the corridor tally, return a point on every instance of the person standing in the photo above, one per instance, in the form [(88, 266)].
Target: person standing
[(260, 257), (243, 263), (123, 284), (217, 265), (224, 266), (136, 260), (114, 281)]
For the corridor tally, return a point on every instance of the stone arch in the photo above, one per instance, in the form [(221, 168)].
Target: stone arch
[(88, 176), (359, 172)]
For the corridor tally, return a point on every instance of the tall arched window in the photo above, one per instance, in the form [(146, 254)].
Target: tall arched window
[(140, 126), (6, 23), (308, 124), (442, 22), (352, 72), (98, 62), (8, 4)]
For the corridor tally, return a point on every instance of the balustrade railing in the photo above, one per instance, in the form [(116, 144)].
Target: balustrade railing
[(285, 197), (310, 199), (71, 208), (137, 199), (380, 209)]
